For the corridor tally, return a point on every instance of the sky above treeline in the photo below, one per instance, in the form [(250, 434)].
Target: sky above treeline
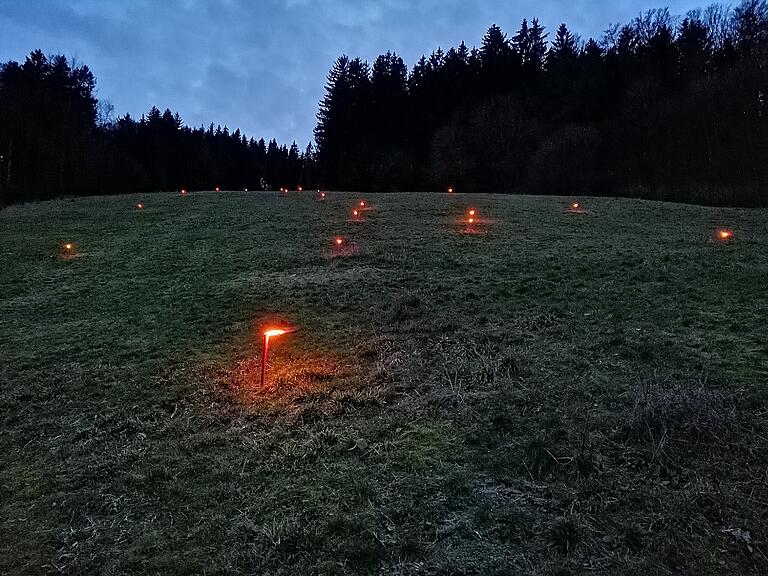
[(260, 65)]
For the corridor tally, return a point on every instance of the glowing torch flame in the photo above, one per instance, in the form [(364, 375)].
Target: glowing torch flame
[(68, 246), (139, 205), (472, 212), (726, 234), (339, 241), (575, 205), (362, 204), (355, 212), (450, 190), (271, 333), (274, 332)]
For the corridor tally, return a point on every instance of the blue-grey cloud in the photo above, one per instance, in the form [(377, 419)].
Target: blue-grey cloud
[(260, 65)]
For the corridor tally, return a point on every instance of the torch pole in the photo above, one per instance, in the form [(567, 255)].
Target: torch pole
[(265, 348)]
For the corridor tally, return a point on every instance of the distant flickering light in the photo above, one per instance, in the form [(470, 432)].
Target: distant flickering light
[(725, 234)]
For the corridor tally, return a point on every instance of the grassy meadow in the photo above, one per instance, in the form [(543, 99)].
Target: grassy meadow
[(544, 393)]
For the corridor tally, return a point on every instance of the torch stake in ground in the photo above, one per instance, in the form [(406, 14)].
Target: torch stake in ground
[(265, 349)]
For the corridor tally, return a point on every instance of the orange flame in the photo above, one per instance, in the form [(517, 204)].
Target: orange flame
[(68, 246), (218, 189), (362, 204), (575, 205), (355, 212), (300, 188), (471, 220), (450, 190), (139, 205), (725, 234), (472, 212), (339, 241), (274, 332)]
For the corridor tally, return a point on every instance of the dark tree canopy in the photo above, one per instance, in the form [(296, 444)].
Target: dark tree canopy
[(51, 143), (47, 119), (662, 107)]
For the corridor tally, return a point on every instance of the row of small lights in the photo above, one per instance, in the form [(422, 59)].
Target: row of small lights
[(472, 217), (471, 214)]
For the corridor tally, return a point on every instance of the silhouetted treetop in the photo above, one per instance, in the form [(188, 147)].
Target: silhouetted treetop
[(661, 106)]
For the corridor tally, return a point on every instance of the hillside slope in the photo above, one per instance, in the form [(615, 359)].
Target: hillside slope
[(541, 392)]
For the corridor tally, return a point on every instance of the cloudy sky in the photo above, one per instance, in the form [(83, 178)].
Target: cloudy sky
[(260, 65)]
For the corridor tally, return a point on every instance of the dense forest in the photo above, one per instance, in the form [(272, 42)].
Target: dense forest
[(56, 139), (662, 107)]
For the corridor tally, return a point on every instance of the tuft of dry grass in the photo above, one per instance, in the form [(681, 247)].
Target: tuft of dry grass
[(692, 409)]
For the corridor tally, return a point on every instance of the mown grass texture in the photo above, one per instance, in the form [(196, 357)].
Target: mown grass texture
[(545, 392)]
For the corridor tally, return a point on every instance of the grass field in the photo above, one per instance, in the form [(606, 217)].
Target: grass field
[(554, 393)]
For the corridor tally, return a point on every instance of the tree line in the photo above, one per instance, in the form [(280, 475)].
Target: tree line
[(662, 107), (57, 139)]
